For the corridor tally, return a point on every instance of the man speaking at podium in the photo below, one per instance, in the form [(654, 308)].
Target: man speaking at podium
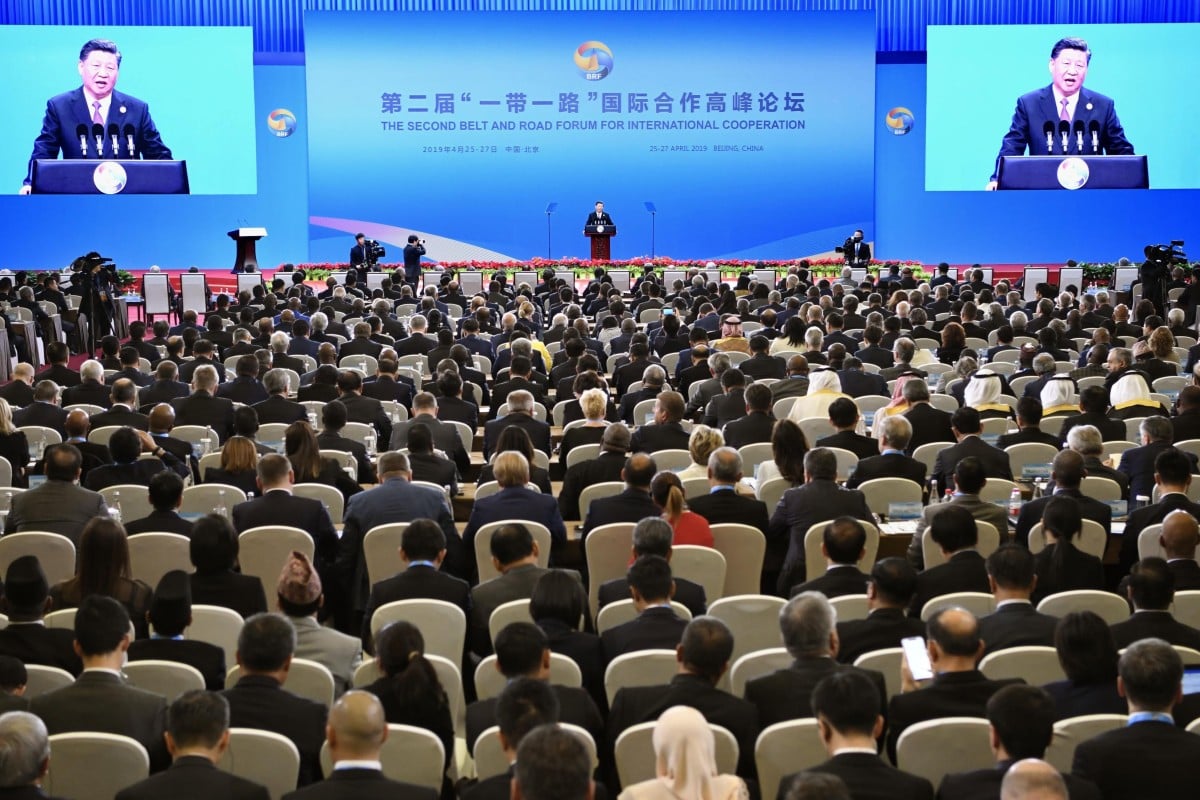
[(1064, 110), (599, 216), (72, 118)]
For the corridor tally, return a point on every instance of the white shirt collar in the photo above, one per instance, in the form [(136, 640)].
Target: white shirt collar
[(363, 764), (1014, 601), (847, 750), (116, 672)]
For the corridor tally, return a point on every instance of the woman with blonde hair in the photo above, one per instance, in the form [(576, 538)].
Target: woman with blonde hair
[(594, 404), (824, 386), (701, 445), (13, 445), (685, 767)]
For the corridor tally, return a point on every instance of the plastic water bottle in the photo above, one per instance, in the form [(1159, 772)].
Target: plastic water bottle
[(369, 443), (221, 509), (114, 511), (1014, 502)]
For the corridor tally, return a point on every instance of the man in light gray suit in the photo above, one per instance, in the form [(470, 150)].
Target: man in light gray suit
[(515, 556), (59, 505), (300, 597), (395, 499), (969, 478)]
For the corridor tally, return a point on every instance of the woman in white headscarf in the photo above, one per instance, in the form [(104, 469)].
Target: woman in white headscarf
[(1058, 398), (685, 762), (983, 394), (824, 386), (1130, 398)]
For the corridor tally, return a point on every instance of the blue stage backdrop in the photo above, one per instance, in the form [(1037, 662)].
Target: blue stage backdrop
[(750, 133)]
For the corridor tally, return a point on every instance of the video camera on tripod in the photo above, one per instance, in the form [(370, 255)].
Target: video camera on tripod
[(373, 251), (1167, 254)]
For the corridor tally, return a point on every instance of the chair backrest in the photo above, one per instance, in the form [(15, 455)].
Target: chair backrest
[(263, 757), (988, 542), (42, 679), (880, 493), (443, 625), (785, 748), (103, 434), (133, 499), (410, 754), (582, 452), (53, 550), (978, 603), (937, 747), (483, 546), (1036, 665), (635, 757), (754, 454), (622, 611), (1069, 733), (305, 678), (815, 428), (846, 461), (607, 550), (595, 492), (643, 668), (753, 619), (381, 550), (330, 496), (489, 682), (506, 614), (1187, 608), (755, 665), (702, 565), (152, 555), (771, 492), (263, 551), (1029, 453), (673, 460), (1112, 608), (927, 454), (744, 548), (850, 607), (886, 662), (1092, 539), (94, 766), (63, 619), (168, 678), (1148, 544), (208, 498), (491, 761), (1102, 489), (216, 625), (814, 566)]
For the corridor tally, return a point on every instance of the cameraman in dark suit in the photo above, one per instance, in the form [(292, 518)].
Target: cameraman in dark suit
[(358, 253), (855, 250)]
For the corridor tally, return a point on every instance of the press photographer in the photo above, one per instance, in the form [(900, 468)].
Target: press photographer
[(412, 260)]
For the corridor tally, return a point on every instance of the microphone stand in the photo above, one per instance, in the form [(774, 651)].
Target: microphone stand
[(653, 215), (550, 209)]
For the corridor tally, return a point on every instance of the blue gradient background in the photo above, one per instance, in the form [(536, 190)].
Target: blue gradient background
[(803, 194)]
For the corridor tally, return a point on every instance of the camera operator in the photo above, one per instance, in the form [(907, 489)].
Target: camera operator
[(412, 260), (855, 250), (96, 275), (1155, 271), (358, 253)]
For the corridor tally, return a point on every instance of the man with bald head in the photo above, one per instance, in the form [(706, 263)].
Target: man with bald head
[(123, 411), (1179, 537), (1173, 478), (356, 731), (1067, 473), (75, 430), (162, 421), (631, 505), (19, 391), (795, 382), (1033, 779), (958, 688)]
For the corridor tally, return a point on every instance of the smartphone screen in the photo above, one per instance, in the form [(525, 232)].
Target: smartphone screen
[(917, 656)]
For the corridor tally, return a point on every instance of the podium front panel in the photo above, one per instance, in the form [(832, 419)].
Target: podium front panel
[(110, 176), (1073, 172)]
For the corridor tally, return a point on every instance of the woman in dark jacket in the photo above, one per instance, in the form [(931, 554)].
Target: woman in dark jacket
[(104, 569), (214, 551), (1088, 656), (1061, 566), (239, 465), (13, 445), (308, 466), (557, 607)]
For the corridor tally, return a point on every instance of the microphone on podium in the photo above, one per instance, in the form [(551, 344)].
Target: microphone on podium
[(113, 133), (1064, 131), (1094, 130), (98, 133), (1048, 129), (1078, 129), (81, 131), (128, 131)]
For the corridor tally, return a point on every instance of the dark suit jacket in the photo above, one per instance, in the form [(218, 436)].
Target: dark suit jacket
[(883, 628), (208, 658), (279, 409), (686, 592), (838, 580), (1156, 625), (1027, 436), (417, 583), (60, 374), (160, 522), (585, 650), (17, 393), (370, 411), (1016, 625), (201, 408), (952, 694), (1071, 700), (361, 784), (984, 784), (103, 703), (1080, 570), (161, 392), (261, 702), (994, 460), (575, 706), (653, 629), (631, 505), (869, 777), (33, 643), (749, 429), (1124, 762), (57, 507), (929, 424), (194, 778), (66, 111), (724, 506), (243, 390), (47, 415), (965, 571), (1138, 464), (282, 508), (604, 468), (455, 409), (120, 415), (539, 432), (652, 438), (787, 693), (1146, 516), (763, 366), (241, 593), (633, 705), (857, 383), (800, 509), (139, 473), (861, 446), (1111, 430), (724, 408), (891, 465), (1089, 508)]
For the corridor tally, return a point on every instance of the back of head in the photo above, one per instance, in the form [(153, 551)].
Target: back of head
[(817, 786), (844, 540), (847, 701), (552, 764), (519, 648), (1061, 517), (198, 719), (953, 529), (24, 749), (652, 536), (1086, 649), (266, 643), (1023, 718), (171, 609), (706, 647), (820, 464), (970, 476), (525, 704), (1011, 566), (63, 462), (1033, 780), (511, 543), (357, 726), (557, 596), (101, 623), (965, 420), (650, 577), (1151, 585), (511, 469), (214, 544), (1151, 673), (807, 623), (26, 589), (895, 581), (422, 540), (955, 631), (639, 471)]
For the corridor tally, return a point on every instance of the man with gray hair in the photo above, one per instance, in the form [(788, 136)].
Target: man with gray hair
[(24, 755), (417, 342), (19, 391), (723, 503), (1044, 368), (654, 378), (808, 625), (1150, 756), (202, 407), (277, 407), (520, 414), (903, 351), (652, 537), (819, 499), (929, 424), (707, 390), (1138, 464), (90, 389), (894, 433)]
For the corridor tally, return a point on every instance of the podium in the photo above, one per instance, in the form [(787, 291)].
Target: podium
[(600, 236), (245, 238), (1073, 172), (110, 176)]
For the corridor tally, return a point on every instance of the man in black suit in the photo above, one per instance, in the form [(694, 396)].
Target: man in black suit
[(843, 414), (19, 391), (126, 446), (387, 386), (604, 468), (849, 723), (958, 688), (890, 589), (1151, 590), (856, 382), (1138, 464), (631, 505), (451, 405), (652, 537), (99, 700), (45, 410), (818, 500), (361, 344), (333, 422), (165, 387), (520, 413), (1022, 725), (1186, 423), (722, 504), (758, 422), (203, 407), (204, 356), (57, 355), (1015, 622), (245, 388), (197, 736), (26, 601), (1173, 476), (730, 403), (1179, 537), (258, 700), (795, 382), (445, 436), (665, 433), (169, 615), (1093, 405), (761, 365), (1067, 473), (843, 543), (807, 627), (519, 379), (953, 530), (1150, 751), (653, 379), (123, 408), (1089, 443), (703, 655), (903, 352), (891, 462), (967, 429), (75, 432), (524, 704), (523, 651), (1029, 418), (422, 549), (929, 424), (131, 368), (657, 626), (277, 407), (166, 495)]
